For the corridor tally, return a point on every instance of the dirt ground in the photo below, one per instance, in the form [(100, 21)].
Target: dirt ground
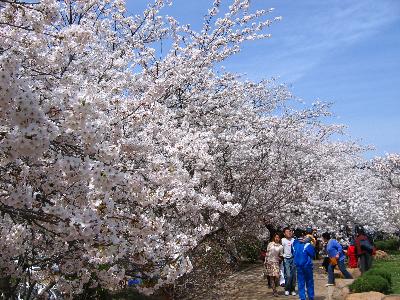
[(249, 284)]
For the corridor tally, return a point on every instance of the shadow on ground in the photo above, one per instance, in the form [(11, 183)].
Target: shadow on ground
[(249, 284)]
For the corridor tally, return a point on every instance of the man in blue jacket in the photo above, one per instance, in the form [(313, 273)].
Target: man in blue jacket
[(303, 253), (336, 256)]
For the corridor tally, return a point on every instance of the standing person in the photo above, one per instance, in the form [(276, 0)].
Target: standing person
[(364, 251), (303, 253), (310, 235), (288, 262), (272, 261), (351, 253), (317, 243), (336, 256)]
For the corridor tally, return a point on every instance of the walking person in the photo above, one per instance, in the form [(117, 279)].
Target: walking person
[(364, 249), (272, 262), (337, 258), (288, 262), (303, 253)]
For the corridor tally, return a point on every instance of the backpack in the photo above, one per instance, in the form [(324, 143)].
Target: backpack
[(366, 246)]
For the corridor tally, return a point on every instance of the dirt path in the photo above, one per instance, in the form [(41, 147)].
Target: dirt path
[(250, 285)]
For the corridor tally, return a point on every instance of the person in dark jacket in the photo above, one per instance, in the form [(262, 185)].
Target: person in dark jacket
[(303, 253), (364, 255)]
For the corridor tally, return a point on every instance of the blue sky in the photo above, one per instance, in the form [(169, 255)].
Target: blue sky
[(341, 51)]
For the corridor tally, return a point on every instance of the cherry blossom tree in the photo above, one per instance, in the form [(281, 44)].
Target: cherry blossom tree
[(104, 172), (387, 169)]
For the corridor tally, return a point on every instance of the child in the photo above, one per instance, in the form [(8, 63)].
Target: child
[(351, 253)]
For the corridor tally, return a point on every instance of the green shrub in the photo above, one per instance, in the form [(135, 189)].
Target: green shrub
[(388, 245), (367, 283), (380, 272)]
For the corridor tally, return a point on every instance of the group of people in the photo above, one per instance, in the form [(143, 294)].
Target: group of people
[(296, 255)]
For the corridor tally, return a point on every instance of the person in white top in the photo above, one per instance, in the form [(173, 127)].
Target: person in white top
[(288, 262), (272, 261)]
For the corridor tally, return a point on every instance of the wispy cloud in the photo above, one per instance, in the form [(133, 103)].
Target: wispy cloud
[(337, 23), (312, 29)]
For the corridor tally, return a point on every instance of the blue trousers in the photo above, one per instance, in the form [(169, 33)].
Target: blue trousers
[(342, 268), (305, 279), (290, 274)]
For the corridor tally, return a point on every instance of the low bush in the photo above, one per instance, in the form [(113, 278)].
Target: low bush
[(380, 272), (368, 283), (388, 245)]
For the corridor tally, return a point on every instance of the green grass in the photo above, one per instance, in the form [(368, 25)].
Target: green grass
[(392, 265)]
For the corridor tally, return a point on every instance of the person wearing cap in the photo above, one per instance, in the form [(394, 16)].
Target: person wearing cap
[(309, 235)]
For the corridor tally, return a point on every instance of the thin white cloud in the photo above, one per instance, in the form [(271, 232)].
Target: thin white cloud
[(308, 37), (311, 30)]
